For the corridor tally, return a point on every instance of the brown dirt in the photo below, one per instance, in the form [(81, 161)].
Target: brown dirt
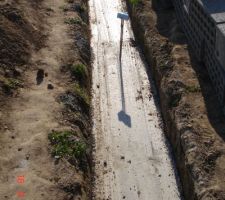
[(194, 121), (34, 36)]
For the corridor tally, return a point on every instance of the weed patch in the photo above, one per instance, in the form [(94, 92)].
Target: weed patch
[(11, 84), (79, 71), (134, 2), (81, 92), (74, 21), (174, 100), (66, 144), (192, 89)]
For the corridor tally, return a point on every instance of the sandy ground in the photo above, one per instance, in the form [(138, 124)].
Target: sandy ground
[(32, 115), (132, 156)]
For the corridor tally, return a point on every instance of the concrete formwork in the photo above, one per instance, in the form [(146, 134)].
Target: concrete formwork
[(203, 22)]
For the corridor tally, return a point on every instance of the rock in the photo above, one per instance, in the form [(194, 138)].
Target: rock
[(50, 86), (27, 156), (20, 149), (40, 76), (8, 73), (17, 72)]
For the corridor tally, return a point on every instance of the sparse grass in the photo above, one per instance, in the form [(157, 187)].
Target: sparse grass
[(11, 83), (134, 2), (64, 8), (174, 100), (82, 8), (73, 21), (81, 92), (163, 66), (79, 71), (192, 89), (66, 144)]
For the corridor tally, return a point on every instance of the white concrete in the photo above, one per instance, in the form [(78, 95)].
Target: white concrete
[(132, 159)]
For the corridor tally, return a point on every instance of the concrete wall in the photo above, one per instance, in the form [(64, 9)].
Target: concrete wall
[(203, 22)]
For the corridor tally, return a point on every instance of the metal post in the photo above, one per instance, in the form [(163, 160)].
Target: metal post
[(121, 39)]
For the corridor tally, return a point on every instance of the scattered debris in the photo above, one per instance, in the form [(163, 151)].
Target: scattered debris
[(122, 157)]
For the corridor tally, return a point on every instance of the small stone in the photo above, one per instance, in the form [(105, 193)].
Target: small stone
[(18, 72), (129, 161), (50, 86), (46, 74), (105, 164), (8, 73), (139, 193), (98, 86), (13, 137), (27, 156), (20, 149), (122, 157)]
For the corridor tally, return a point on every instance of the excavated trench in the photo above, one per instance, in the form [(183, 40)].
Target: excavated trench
[(132, 157), (193, 119)]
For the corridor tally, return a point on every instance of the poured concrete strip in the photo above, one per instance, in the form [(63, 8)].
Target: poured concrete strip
[(132, 158)]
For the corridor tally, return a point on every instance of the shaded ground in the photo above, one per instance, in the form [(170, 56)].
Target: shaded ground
[(193, 118), (41, 45)]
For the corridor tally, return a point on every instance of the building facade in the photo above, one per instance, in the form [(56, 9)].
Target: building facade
[(203, 22)]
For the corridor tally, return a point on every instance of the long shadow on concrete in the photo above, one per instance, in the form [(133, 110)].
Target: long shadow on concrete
[(122, 115)]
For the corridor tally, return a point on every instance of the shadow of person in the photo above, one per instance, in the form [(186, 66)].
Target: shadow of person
[(125, 118)]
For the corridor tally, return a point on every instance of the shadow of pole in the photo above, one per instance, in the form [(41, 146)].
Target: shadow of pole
[(122, 116)]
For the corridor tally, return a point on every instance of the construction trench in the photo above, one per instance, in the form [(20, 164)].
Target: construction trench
[(132, 157), (193, 118), (77, 122)]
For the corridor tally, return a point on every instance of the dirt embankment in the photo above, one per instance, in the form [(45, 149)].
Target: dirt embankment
[(193, 119), (45, 80), (20, 33)]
